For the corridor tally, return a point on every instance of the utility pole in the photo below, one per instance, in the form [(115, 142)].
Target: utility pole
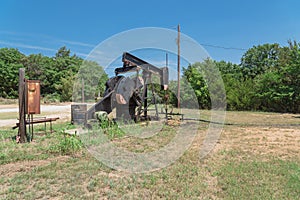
[(178, 67)]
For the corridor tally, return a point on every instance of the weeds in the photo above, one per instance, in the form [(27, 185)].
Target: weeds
[(109, 127), (66, 144)]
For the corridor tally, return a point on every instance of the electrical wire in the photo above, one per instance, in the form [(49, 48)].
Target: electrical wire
[(222, 47)]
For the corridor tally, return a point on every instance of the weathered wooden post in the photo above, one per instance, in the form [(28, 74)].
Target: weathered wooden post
[(22, 98), (82, 90), (178, 67)]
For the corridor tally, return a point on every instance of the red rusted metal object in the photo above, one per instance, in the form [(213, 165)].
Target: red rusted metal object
[(33, 97)]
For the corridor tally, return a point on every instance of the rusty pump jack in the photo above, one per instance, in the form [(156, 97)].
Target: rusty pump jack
[(129, 95)]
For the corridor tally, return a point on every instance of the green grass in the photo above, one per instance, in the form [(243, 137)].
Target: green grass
[(85, 178), (257, 179), (44, 145), (9, 115), (56, 166)]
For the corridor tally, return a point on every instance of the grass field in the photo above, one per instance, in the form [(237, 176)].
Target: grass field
[(256, 157)]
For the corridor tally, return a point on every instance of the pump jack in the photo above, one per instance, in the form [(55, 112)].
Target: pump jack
[(129, 95)]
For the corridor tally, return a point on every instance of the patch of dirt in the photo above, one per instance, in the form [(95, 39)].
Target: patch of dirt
[(9, 170), (283, 143), (8, 122), (8, 106), (173, 122)]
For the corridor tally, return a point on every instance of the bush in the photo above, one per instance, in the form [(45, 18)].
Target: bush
[(51, 98)]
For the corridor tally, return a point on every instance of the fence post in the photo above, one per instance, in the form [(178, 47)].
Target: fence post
[(22, 99)]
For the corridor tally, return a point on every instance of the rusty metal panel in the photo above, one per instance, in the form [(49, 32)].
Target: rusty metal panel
[(33, 97)]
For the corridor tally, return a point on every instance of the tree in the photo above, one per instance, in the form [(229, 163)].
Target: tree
[(65, 87), (258, 59), (207, 83), (63, 52), (94, 78), (11, 56), (65, 67), (39, 67), (239, 90), (267, 79), (193, 76), (57, 74), (10, 62), (276, 85)]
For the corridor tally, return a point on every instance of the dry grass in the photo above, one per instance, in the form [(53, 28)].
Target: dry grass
[(8, 101), (8, 115), (257, 158)]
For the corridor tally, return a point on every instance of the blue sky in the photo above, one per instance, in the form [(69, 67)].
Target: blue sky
[(44, 26)]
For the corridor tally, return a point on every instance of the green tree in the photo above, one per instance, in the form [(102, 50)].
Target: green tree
[(65, 87), (94, 78), (39, 67), (278, 90), (275, 77), (11, 56), (10, 62), (194, 77), (65, 67), (239, 90), (258, 59), (206, 81)]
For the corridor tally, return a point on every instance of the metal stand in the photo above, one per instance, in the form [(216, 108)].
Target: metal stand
[(29, 121)]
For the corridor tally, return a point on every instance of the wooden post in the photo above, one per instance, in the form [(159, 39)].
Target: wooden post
[(178, 67), (22, 98), (82, 90)]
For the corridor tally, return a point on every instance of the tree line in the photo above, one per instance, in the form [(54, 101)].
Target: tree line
[(266, 79), (57, 74)]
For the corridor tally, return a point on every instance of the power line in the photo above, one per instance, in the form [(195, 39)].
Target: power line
[(222, 47), (218, 46)]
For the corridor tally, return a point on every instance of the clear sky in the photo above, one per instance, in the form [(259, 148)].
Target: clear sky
[(44, 26)]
